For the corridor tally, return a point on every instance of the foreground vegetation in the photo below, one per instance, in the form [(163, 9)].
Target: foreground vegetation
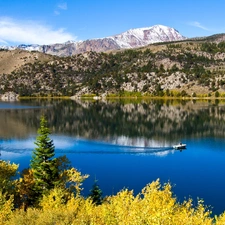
[(49, 192), (154, 205)]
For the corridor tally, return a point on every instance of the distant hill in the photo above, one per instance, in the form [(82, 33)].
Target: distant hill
[(11, 60)]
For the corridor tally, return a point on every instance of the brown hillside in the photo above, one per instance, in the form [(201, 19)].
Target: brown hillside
[(11, 60)]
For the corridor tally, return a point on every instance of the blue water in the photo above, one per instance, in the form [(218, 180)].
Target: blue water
[(15, 105), (127, 145), (197, 172)]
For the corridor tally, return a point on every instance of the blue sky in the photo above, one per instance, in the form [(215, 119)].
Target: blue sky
[(57, 21)]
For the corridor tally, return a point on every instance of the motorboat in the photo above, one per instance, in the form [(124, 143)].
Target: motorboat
[(180, 146)]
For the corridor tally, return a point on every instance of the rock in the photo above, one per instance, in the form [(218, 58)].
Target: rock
[(9, 96)]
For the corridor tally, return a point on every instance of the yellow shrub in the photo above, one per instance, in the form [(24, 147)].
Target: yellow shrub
[(6, 207), (55, 199), (154, 205)]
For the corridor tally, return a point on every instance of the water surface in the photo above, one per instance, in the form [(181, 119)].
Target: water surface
[(128, 144)]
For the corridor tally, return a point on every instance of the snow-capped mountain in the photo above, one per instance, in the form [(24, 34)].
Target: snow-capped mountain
[(144, 36), (22, 46), (29, 47), (132, 38), (6, 47)]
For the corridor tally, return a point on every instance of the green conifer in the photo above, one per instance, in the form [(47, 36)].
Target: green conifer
[(96, 193), (43, 165)]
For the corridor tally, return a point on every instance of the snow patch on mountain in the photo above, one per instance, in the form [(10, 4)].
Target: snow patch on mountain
[(29, 47), (23, 47), (144, 36)]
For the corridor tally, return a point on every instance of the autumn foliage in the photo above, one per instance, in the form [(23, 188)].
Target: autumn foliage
[(154, 205)]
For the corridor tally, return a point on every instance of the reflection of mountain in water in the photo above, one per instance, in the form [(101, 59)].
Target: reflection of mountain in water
[(155, 120)]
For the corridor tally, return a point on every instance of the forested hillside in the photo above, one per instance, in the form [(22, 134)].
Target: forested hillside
[(185, 68)]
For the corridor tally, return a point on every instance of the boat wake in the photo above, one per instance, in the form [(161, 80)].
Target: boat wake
[(106, 148), (79, 146)]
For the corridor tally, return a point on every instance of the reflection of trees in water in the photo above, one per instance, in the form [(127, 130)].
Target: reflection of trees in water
[(20, 123), (13, 124), (152, 119)]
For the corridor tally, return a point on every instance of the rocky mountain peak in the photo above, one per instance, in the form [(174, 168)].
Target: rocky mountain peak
[(144, 36)]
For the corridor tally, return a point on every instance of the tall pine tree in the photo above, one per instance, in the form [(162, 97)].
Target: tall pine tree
[(43, 165)]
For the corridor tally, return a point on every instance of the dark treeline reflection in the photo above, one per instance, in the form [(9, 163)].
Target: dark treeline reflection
[(158, 120)]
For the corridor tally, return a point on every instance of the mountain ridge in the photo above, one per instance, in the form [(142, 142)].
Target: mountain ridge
[(133, 38)]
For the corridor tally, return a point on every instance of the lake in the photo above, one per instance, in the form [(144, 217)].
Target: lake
[(127, 144)]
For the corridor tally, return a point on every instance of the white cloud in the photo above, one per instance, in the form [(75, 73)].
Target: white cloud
[(197, 24), (31, 32), (56, 12), (62, 6)]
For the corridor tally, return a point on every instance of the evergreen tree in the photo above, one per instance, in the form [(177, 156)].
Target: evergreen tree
[(96, 194), (43, 165)]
